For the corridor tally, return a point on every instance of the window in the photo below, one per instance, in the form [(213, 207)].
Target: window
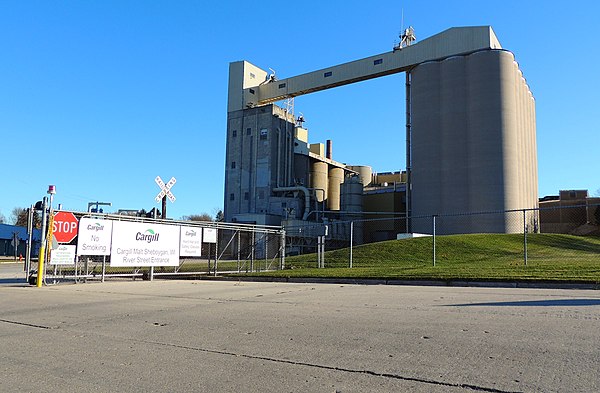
[(234, 133), (232, 197), (377, 62), (263, 134), (251, 91), (248, 131), (246, 195), (327, 74), (232, 164), (281, 85)]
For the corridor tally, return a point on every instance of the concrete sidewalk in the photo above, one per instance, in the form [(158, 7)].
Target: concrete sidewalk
[(272, 337)]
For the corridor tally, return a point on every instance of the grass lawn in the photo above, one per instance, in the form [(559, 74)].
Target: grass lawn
[(551, 257)]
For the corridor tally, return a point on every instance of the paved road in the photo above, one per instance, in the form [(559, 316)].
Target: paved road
[(12, 273), (272, 337)]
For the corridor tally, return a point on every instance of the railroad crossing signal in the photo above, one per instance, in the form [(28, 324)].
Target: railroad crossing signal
[(165, 189), (165, 192)]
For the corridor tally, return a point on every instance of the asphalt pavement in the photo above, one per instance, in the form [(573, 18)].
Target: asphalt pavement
[(181, 336)]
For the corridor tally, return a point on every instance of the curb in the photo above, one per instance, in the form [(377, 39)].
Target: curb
[(436, 283)]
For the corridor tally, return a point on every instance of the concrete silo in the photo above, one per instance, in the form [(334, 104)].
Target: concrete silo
[(319, 180), (336, 178), (365, 173), (351, 196), (473, 142)]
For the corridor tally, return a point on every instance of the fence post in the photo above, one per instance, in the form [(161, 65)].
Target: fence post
[(351, 240), (525, 236), (43, 244), (103, 267), (323, 252), (252, 252), (29, 240), (319, 251), (282, 259), (238, 250), (216, 253), (433, 232), (208, 260)]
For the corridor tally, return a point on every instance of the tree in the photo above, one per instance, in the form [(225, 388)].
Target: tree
[(218, 214), (2, 218), (597, 215), (19, 218), (198, 217)]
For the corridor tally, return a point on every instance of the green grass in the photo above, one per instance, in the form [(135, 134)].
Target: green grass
[(494, 257)]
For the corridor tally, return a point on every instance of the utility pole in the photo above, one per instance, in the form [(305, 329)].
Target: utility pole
[(15, 243)]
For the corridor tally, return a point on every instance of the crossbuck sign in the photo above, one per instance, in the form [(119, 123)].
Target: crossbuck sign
[(165, 189)]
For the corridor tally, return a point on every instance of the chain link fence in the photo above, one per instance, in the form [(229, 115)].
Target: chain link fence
[(223, 248), (557, 233), (528, 237)]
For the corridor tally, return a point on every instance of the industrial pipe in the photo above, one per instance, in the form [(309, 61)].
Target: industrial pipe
[(306, 196)]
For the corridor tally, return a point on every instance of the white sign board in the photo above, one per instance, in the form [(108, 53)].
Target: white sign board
[(210, 235), (63, 255), (94, 236), (144, 244), (190, 241)]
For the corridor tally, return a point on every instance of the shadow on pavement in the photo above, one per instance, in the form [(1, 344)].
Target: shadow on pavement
[(537, 303), (13, 281)]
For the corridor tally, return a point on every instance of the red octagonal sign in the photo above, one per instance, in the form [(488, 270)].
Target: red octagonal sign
[(64, 227)]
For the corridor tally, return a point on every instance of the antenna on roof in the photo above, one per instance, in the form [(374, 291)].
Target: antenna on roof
[(402, 21), (407, 37)]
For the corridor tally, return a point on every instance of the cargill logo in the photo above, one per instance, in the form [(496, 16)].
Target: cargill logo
[(148, 236), (95, 227), (190, 233)]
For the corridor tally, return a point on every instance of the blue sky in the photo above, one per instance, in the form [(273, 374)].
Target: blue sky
[(100, 97)]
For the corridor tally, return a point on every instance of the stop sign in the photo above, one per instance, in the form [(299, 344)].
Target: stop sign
[(64, 227)]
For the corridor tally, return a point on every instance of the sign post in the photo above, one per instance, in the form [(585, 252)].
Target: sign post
[(165, 192)]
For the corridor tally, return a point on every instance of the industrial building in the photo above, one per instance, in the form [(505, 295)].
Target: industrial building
[(11, 235), (571, 212), (470, 132)]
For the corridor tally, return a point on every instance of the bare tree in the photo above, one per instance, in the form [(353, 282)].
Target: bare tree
[(2, 218), (198, 217), (18, 216)]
